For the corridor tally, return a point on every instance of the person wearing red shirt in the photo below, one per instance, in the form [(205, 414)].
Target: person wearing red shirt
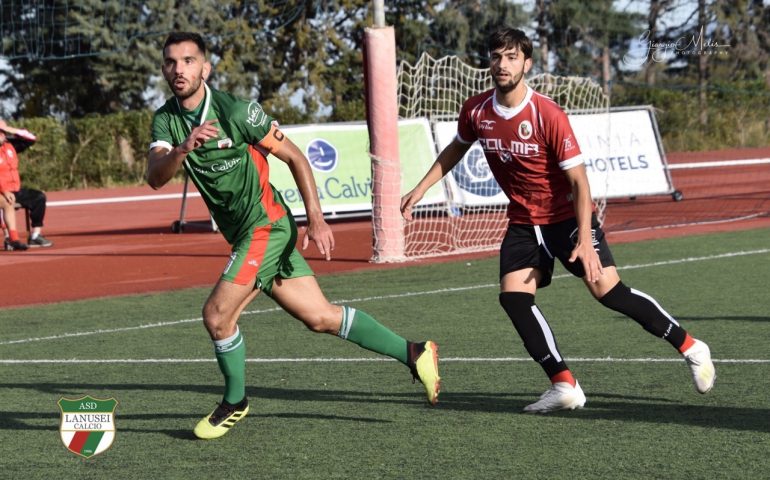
[(13, 141), (532, 151)]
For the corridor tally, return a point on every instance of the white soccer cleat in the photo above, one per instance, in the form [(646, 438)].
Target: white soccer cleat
[(698, 357), (561, 396)]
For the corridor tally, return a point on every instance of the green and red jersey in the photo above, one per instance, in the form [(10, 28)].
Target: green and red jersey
[(231, 171)]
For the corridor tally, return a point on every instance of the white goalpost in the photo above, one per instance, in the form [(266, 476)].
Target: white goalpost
[(471, 217)]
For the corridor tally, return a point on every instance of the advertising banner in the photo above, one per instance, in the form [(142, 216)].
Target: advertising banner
[(623, 158), (339, 157)]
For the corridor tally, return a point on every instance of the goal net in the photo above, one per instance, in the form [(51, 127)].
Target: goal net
[(471, 218)]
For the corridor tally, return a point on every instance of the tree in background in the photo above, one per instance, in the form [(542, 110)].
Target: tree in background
[(53, 70), (302, 59), (656, 10), (452, 28), (93, 56), (587, 38)]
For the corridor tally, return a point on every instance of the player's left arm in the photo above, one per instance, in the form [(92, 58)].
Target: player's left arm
[(567, 152), (285, 150), (584, 247)]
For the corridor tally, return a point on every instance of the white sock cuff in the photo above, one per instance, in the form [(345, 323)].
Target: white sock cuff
[(348, 313), (230, 343)]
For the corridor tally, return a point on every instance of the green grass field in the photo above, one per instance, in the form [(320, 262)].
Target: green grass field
[(323, 408)]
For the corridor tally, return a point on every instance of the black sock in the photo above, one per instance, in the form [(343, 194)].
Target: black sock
[(645, 311), (534, 331)]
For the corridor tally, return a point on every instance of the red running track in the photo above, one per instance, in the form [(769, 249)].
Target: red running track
[(127, 247)]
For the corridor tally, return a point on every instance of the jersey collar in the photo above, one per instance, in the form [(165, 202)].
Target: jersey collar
[(510, 112), (204, 110)]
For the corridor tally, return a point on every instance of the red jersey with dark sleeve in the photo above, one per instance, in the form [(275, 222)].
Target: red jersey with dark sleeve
[(528, 148)]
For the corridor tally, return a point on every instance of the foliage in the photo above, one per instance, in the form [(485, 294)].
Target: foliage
[(737, 114), (579, 31), (94, 151), (303, 57), (462, 28), (64, 83)]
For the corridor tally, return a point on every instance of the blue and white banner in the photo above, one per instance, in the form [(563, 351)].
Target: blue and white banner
[(470, 181), (339, 156)]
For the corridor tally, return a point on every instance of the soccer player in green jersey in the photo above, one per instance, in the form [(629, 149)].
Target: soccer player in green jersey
[(223, 142)]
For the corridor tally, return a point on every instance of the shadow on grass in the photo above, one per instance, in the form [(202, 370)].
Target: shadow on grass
[(600, 406), (745, 318), (623, 409), (124, 423), (719, 318)]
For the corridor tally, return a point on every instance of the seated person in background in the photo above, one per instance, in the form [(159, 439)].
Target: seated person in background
[(8, 214), (12, 141)]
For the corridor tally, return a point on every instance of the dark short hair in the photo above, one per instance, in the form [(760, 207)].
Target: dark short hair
[(510, 38), (179, 37)]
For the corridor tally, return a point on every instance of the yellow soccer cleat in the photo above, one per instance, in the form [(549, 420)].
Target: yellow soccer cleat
[(219, 422), (425, 369)]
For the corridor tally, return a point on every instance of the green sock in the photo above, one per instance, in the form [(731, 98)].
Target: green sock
[(231, 357), (361, 329)]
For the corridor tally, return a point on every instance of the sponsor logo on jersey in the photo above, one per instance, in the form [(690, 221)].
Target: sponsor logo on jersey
[(322, 155), (569, 144), (518, 148), (253, 263), (225, 165), (487, 124), (224, 143), (255, 116), (525, 130), (473, 174), (87, 425)]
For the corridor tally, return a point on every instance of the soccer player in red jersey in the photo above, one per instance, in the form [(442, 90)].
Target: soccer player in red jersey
[(535, 158)]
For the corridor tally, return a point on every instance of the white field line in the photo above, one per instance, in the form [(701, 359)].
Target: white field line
[(708, 164), (176, 196), (691, 224), (123, 361), (139, 198), (372, 298), (719, 163)]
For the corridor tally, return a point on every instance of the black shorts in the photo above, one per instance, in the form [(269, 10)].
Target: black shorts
[(526, 246)]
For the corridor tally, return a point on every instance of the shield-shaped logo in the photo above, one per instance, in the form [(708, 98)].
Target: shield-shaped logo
[(525, 130), (87, 424)]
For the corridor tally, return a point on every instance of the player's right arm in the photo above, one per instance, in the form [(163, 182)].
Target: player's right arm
[(447, 159), (164, 160), (20, 138)]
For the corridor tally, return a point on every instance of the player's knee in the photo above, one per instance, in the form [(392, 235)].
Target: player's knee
[(323, 321), (618, 298), (518, 305), (216, 320)]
